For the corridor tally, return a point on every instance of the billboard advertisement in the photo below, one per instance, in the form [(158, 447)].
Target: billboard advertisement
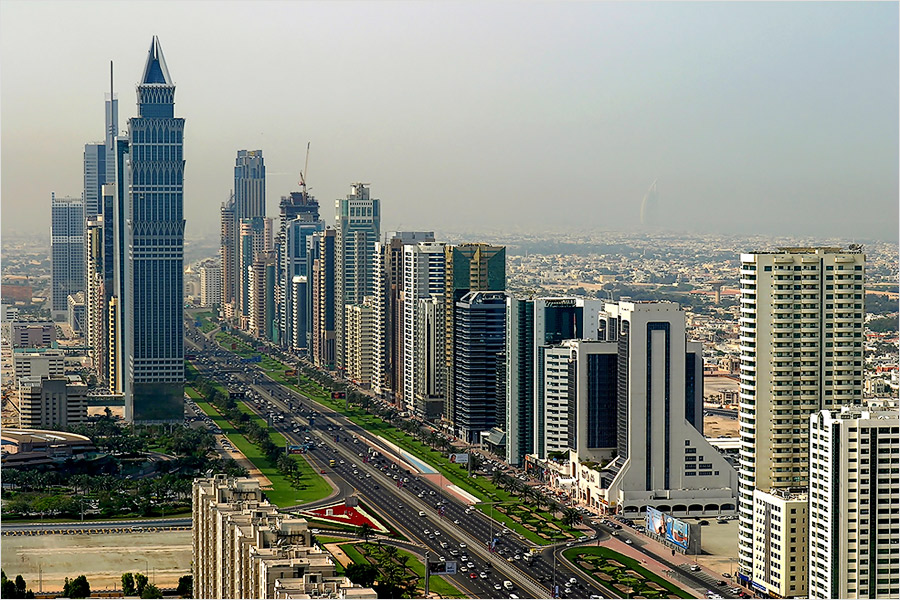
[(444, 568), (460, 459), (674, 530)]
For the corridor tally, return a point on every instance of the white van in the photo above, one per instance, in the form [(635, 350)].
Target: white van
[(508, 584)]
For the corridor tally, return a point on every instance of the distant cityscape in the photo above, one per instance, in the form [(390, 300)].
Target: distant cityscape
[(303, 408)]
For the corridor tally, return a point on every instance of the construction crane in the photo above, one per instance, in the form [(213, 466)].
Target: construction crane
[(303, 177)]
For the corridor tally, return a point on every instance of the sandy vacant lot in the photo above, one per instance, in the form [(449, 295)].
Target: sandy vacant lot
[(164, 557), (715, 426)]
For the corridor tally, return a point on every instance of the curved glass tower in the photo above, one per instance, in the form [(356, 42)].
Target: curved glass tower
[(155, 230)]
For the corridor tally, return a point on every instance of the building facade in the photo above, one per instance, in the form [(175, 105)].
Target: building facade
[(479, 333), (780, 535), (854, 503), (263, 320), (423, 276), (322, 297), (155, 274), (66, 251), (467, 268), (360, 326), (298, 219), (358, 223), (662, 459), (210, 285), (801, 344), (55, 402)]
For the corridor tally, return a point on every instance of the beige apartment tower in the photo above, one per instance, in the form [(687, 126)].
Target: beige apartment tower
[(801, 343)]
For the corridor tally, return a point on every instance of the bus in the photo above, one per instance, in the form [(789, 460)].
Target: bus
[(331, 463)]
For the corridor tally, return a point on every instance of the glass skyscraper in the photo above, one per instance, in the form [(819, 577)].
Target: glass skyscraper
[(66, 250), (155, 241)]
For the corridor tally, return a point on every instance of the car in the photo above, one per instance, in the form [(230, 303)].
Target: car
[(427, 531), (517, 557), (454, 552), (704, 523), (721, 583), (483, 575), (498, 587), (471, 565), (464, 568), (456, 521), (722, 521), (437, 532), (572, 580), (629, 542), (726, 575), (695, 568), (568, 544), (431, 537), (473, 576), (462, 545), (464, 558), (368, 475), (321, 470), (444, 545)]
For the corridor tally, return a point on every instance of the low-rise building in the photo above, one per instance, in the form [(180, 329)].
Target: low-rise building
[(51, 363), (781, 536), (33, 334), (52, 402)]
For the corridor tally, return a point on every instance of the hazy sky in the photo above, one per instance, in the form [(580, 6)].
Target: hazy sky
[(767, 118)]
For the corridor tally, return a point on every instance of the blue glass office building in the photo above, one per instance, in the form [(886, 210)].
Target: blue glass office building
[(153, 319)]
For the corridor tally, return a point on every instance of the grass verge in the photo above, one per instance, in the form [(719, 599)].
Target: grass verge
[(620, 577)]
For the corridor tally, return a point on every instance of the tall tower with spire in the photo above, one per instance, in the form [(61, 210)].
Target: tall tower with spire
[(155, 240)]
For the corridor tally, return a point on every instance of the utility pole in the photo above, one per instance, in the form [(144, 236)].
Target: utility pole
[(427, 573)]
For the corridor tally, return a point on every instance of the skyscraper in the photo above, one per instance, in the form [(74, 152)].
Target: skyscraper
[(299, 212), (255, 236), (480, 330), (423, 276), (228, 252), (261, 286), (154, 301), (468, 268), (67, 252), (387, 378), (801, 343), (293, 263), (249, 184), (854, 503), (358, 223), (322, 296)]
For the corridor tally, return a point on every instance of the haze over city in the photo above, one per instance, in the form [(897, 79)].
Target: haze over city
[(754, 117)]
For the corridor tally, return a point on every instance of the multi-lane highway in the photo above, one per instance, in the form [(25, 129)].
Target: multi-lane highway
[(455, 532)]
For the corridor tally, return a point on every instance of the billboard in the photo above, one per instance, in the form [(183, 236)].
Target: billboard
[(665, 526), (444, 568), (460, 459)]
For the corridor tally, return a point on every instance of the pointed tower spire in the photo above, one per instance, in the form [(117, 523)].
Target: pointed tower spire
[(155, 71)]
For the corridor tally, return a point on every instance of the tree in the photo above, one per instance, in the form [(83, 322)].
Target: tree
[(151, 591), (365, 531), (128, 588), (140, 582), (77, 588), (363, 574), (570, 516), (185, 586)]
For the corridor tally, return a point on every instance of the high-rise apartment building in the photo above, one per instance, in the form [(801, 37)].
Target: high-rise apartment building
[(95, 299), (388, 301), (210, 284), (263, 322), (801, 343), (480, 327), (467, 268), (854, 503), (66, 251), (358, 223), (228, 253), (155, 272), (360, 326), (322, 297), (423, 276), (256, 236), (430, 377), (661, 458), (247, 201)]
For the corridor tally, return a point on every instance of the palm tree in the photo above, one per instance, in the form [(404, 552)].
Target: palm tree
[(364, 531), (570, 517)]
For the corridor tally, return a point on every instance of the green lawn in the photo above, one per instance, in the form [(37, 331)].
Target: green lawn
[(599, 557), (283, 492), (437, 584)]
